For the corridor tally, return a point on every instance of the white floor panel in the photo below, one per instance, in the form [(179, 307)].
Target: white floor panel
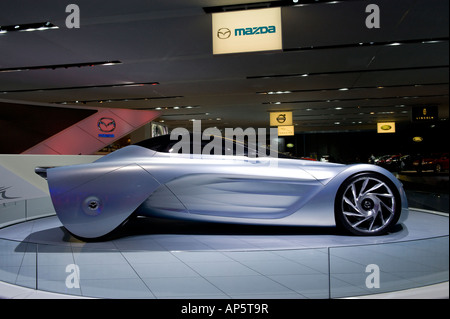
[(187, 260)]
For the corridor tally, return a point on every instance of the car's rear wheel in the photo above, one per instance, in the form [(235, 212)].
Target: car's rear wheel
[(367, 204), (438, 168)]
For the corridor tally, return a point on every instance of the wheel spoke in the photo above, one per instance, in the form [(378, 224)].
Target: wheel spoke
[(390, 209), (361, 221), (355, 198), (380, 213), (349, 202), (373, 188), (385, 195), (363, 187), (354, 214)]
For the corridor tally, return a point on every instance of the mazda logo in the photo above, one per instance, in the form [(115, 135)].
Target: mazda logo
[(223, 33), (106, 124)]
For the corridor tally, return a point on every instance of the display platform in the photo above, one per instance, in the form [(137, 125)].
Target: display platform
[(171, 259)]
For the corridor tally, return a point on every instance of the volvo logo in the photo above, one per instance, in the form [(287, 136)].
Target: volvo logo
[(281, 118), (223, 33), (106, 124)]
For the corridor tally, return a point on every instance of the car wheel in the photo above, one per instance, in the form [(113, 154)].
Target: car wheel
[(437, 168), (367, 204)]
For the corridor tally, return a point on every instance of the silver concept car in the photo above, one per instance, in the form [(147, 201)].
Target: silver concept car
[(92, 200)]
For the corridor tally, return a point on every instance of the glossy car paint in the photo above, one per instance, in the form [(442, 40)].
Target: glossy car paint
[(91, 200)]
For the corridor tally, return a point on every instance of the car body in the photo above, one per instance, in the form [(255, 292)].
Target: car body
[(394, 163), (146, 179), (436, 162)]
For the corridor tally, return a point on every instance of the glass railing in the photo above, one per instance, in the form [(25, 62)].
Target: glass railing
[(388, 267), (23, 210), (321, 273)]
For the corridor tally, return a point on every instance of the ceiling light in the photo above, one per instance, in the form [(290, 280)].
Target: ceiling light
[(60, 66), (343, 89), (431, 41), (39, 26)]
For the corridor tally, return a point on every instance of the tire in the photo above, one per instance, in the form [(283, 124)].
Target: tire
[(367, 204), (437, 168)]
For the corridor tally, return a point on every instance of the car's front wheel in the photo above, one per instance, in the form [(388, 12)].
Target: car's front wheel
[(367, 204)]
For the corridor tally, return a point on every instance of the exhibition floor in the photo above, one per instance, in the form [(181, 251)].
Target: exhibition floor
[(167, 259)]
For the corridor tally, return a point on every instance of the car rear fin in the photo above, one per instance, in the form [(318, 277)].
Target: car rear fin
[(42, 171)]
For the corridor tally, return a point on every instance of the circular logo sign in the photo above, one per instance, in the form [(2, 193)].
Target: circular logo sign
[(223, 33), (106, 124), (281, 118)]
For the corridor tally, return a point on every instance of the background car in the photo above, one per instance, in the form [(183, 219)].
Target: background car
[(436, 162)]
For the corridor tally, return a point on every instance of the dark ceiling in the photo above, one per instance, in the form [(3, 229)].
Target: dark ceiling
[(334, 73)]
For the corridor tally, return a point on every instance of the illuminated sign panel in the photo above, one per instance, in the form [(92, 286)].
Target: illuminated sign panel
[(280, 118), (247, 31), (425, 113), (386, 127), (287, 130)]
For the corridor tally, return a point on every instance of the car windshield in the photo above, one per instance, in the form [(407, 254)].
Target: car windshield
[(165, 144)]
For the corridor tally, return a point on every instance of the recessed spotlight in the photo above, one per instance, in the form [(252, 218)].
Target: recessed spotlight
[(431, 41), (39, 26)]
